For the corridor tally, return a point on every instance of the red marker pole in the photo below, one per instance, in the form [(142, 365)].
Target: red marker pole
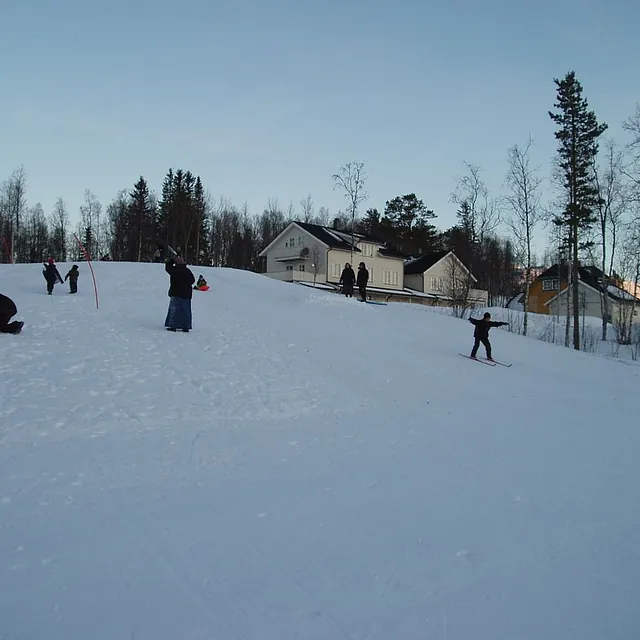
[(86, 256)]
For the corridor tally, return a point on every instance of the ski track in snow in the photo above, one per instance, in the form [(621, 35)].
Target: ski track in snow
[(303, 466)]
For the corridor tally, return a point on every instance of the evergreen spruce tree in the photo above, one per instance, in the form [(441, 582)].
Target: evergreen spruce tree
[(408, 218), (577, 134), (140, 222), (164, 220)]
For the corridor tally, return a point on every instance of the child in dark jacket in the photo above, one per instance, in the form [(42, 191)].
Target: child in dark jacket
[(72, 276), (481, 333), (51, 275)]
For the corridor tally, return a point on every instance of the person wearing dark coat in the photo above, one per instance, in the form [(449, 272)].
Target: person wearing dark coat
[(51, 275), (180, 294), (362, 281), (347, 280), (481, 333), (72, 276), (8, 309)]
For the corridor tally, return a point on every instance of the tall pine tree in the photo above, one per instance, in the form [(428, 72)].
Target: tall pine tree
[(141, 221), (577, 134), (408, 217)]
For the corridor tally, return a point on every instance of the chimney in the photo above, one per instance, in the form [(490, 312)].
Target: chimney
[(336, 224)]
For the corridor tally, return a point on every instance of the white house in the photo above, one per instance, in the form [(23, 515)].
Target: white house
[(443, 277), (316, 255), (623, 306)]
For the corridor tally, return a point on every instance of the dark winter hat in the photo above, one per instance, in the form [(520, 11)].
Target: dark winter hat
[(487, 315), (75, 266)]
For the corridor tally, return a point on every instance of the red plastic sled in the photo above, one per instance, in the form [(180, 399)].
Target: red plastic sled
[(205, 288)]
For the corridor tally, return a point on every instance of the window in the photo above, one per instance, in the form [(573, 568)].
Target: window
[(370, 275), (300, 241), (550, 284), (390, 277), (367, 250), (336, 271), (437, 283), (289, 267), (301, 267)]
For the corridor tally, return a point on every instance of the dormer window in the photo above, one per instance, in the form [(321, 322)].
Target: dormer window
[(367, 250)]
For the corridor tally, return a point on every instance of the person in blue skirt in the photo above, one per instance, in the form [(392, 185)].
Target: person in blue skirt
[(180, 294)]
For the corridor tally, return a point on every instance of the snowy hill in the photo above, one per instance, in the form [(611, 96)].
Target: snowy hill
[(305, 466)]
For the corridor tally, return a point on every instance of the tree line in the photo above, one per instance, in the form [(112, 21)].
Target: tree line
[(592, 216)]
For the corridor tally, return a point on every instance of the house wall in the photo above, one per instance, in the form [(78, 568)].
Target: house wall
[(437, 280), (414, 281), (538, 296), (289, 246), (384, 272), (590, 303)]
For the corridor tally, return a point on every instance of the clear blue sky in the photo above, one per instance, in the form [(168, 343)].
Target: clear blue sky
[(269, 98)]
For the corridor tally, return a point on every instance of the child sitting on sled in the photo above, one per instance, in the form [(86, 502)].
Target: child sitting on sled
[(201, 285)]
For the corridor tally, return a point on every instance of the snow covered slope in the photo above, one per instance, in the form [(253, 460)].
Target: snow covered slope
[(305, 466)]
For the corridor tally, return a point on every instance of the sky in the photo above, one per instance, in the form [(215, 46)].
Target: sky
[(268, 99)]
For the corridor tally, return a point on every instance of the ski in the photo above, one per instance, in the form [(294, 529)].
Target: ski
[(502, 364), (490, 364)]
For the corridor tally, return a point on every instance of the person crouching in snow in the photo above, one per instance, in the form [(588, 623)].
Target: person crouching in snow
[(180, 294), (481, 333), (8, 309), (201, 285), (51, 275), (72, 276)]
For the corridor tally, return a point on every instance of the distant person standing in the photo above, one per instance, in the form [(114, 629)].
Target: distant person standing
[(72, 276), (8, 309), (51, 275), (348, 280), (180, 294), (362, 281)]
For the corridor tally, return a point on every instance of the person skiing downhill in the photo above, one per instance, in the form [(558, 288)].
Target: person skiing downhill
[(51, 275), (481, 334)]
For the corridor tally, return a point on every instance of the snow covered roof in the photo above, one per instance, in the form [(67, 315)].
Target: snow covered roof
[(420, 264)]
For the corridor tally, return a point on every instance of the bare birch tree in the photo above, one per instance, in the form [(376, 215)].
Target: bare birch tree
[(628, 266), (351, 180), (632, 126), (317, 261), (523, 202), (59, 228), (611, 206), (456, 286), (483, 212), (14, 193), (307, 209), (90, 223)]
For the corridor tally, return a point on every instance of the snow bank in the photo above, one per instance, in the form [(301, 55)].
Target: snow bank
[(305, 466)]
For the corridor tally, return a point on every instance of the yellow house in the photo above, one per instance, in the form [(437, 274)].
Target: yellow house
[(548, 291), (547, 286)]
